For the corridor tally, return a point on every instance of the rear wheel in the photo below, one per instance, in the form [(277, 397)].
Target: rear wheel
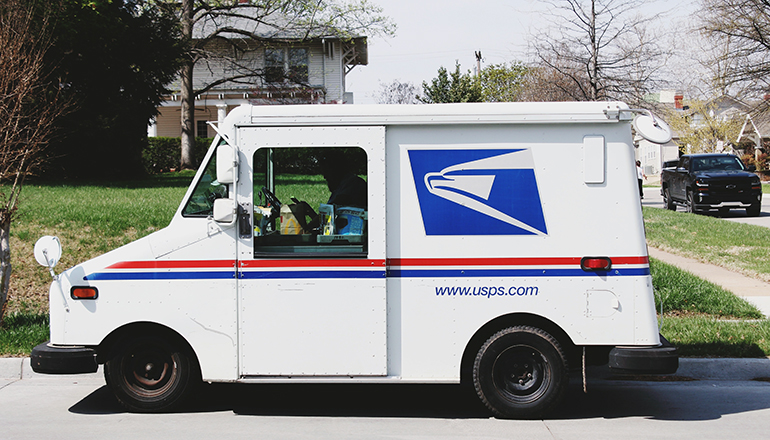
[(151, 373), (754, 209), (520, 372)]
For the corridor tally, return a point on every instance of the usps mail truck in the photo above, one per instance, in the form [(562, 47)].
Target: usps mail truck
[(496, 245)]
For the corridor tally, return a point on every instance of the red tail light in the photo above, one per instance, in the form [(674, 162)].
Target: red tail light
[(595, 264)]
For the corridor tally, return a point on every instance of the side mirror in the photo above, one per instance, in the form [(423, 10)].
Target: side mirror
[(47, 252), (224, 210), (652, 129), (226, 164), (751, 168)]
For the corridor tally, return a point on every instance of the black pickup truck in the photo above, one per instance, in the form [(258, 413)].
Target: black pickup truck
[(705, 182)]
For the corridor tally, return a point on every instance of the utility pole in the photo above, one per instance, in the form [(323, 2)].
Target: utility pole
[(478, 63)]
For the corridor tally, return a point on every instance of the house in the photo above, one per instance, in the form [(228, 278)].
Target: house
[(756, 131), (722, 109), (288, 71)]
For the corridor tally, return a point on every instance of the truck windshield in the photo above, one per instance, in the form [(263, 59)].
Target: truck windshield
[(208, 189), (717, 163)]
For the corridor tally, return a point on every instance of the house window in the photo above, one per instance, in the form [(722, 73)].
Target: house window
[(286, 64), (298, 65), (201, 129), (274, 65)]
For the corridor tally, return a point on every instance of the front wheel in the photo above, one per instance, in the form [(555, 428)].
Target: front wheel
[(691, 203), (150, 374), (520, 372), (754, 210), (668, 201)]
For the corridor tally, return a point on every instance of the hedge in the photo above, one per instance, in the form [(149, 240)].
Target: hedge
[(165, 153)]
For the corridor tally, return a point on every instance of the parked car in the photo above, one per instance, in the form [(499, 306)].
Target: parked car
[(707, 182)]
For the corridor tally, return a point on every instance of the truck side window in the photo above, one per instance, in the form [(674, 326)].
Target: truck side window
[(201, 202), (310, 200)]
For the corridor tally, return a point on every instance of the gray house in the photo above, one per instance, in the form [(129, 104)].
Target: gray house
[(281, 70)]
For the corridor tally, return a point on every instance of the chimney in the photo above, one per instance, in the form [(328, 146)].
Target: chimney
[(678, 101)]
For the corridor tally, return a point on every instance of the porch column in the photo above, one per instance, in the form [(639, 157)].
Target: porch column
[(221, 113)]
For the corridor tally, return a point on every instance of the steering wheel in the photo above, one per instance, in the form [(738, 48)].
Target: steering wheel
[(271, 198)]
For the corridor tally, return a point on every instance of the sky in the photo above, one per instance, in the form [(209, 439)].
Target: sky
[(435, 33)]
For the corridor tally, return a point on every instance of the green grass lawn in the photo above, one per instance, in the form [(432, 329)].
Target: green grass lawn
[(735, 246)]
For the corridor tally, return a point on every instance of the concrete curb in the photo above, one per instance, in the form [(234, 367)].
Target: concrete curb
[(20, 368), (697, 368)]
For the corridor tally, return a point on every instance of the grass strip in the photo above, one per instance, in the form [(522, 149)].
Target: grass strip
[(683, 293), (21, 332), (739, 247), (704, 336)]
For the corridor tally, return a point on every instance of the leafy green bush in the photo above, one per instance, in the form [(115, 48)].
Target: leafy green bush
[(164, 153)]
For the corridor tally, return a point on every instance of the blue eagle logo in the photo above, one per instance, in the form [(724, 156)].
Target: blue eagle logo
[(478, 192)]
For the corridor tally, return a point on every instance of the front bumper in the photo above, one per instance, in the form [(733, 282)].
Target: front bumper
[(662, 359), (705, 201), (51, 359)]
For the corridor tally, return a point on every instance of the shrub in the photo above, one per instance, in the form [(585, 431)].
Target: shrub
[(164, 153), (761, 162), (748, 160)]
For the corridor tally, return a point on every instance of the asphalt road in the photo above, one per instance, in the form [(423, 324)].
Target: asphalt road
[(65, 407), (653, 199)]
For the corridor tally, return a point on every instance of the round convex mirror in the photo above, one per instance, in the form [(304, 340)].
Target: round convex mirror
[(652, 129), (48, 251)]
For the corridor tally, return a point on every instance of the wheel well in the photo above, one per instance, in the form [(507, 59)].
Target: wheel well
[(134, 329), (505, 321)]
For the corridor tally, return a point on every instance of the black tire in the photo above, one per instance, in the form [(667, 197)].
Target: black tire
[(690, 206), (151, 373), (670, 205), (754, 210), (521, 372)]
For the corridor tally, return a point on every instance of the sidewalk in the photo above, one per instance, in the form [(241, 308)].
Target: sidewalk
[(752, 290)]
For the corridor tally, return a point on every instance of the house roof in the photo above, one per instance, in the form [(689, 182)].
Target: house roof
[(245, 23)]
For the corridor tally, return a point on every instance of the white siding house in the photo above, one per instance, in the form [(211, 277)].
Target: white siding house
[(310, 72)]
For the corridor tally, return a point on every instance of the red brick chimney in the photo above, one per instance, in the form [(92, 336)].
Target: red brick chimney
[(678, 101)]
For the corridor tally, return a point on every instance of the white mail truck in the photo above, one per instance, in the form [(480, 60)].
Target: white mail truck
[(497, 245)]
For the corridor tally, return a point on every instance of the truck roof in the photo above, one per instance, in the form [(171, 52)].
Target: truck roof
[(467, 113), (708, 155)]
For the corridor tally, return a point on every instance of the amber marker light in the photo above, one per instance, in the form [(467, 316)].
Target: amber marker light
[(84, 293)]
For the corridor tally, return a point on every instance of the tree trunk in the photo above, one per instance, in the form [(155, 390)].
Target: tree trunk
[(187, 92), (5, 261), (188, 118)]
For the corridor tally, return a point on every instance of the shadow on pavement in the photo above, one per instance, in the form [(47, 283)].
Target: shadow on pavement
[(606, 398)]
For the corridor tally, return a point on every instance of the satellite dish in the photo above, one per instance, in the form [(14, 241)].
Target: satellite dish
[(653, 129), (48, 251)]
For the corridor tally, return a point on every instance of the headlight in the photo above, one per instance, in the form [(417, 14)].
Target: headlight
[(701, 184)]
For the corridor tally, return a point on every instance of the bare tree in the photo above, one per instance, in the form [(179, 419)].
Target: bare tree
[(237, 25), (705, 127), (30, 102), (741, 29), (599, 49), (398, 92)]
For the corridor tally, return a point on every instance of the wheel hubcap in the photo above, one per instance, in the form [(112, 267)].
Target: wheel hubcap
[(149, 371), (521, 374)]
